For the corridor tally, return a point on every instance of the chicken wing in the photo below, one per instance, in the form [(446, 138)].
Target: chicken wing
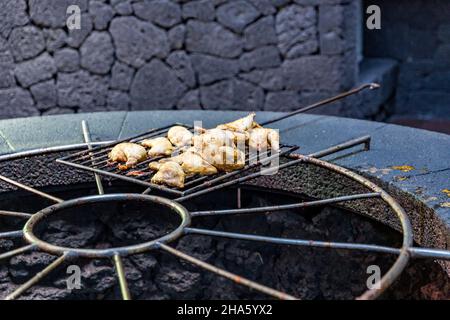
[(240, 125), (158, 146), (216, 137), (179, 136), (191, 162), (130, 153), (261, 138), (171, 174), (224, 158)]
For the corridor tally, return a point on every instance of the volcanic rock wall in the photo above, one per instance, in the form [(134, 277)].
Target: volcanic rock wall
[(174, 54)]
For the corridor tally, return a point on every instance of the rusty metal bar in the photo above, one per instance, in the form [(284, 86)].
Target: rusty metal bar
[(11, 234), (30, 189), (231, 276), (343, 146), (15, 214), (87, 140), (38, 277), (286, 206), (370, 86), (294, 242), (122, 278), (17, 251)]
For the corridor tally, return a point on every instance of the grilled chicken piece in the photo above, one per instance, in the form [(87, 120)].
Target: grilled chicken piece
[(179, 136), (191, 162), (224, 158), (170, 173), (158, 146), (261, 138), (213, 137), (239, 125), (130, 153)]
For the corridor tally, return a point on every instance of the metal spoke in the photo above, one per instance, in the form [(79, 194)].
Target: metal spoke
[(11, 234), (17, 251), (294, 242), (342, 146), (15, 214), (122, 279), (30, 189), (370, 86), (287, 206), (233, 277), (39, 276), (87, 140)]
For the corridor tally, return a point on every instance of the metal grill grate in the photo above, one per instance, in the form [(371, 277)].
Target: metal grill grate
[(96, 160)]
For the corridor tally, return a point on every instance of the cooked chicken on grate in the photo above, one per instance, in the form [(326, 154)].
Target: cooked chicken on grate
[(180, 136), (130, 153), (191, 162), (170, 173), (216, 137), (240, 125), (224, 158), (261, 139), (158, 146)]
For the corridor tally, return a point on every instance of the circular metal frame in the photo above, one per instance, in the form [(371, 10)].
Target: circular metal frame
[(29, 235), (402, 260)]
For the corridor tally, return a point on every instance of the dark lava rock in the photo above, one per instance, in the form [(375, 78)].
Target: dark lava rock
[(77, 36), (52, 13), (13, 13), (137, 41), (182, 65), (32, 71), (212, 38), (97, 53), (118, 100), (54, 39), (190, 100), (260, 58), (236, 14), (16, 102), (24, 266), (176, 36), (232, 94), (260, 33), (26, 42), (44, 94), (67, 60), (121, 76), (164, 13), (200, 9), (269, 79), (81, 89), (297, 31), (155, 86), (101, 14), (6, 65), (210, 69), (179, 282)]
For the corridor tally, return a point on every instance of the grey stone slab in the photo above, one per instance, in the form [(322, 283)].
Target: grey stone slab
[(60, 129)]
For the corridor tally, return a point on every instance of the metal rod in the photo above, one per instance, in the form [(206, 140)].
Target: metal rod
[(41, 151), (17, 251), (346, 145), (370, 86), (415, 252), (295, 242), (11, 234), (39, 276), (122, 278), (438, 254), (233, 277), (287, 206), (30, 189), (87, 139), (15, 214)]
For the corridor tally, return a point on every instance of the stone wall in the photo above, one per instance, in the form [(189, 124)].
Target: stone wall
[(417, 34), (174, 54)]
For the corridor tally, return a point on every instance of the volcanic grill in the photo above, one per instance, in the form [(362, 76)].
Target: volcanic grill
[(95, 160)]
